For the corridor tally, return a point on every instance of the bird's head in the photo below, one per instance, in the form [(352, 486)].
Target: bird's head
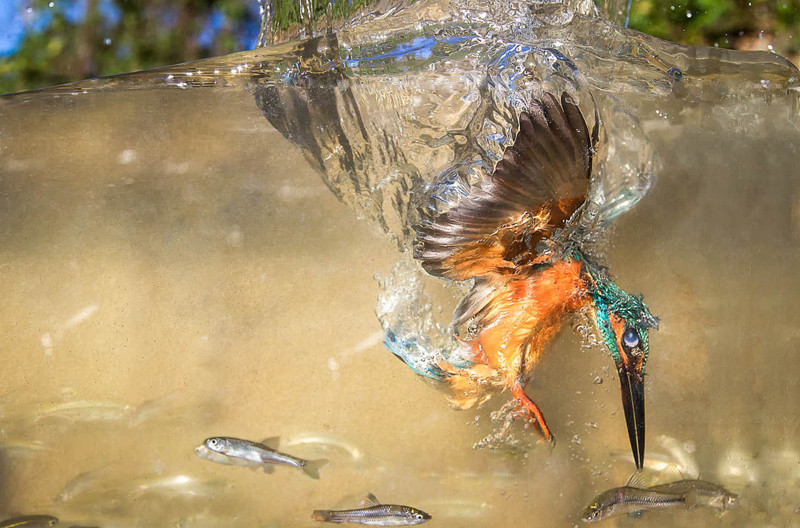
[(624, 322)]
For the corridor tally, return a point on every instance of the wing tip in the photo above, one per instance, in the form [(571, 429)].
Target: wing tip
[(549, 161)]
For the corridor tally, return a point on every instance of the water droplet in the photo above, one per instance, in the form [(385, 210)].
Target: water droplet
[(107, 41), (51, 4), (688, 14)]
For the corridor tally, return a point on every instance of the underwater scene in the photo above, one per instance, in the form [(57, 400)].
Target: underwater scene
[(434, 254)]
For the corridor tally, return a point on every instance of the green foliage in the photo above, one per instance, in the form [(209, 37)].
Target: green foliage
[(723, 23), (149, 34)]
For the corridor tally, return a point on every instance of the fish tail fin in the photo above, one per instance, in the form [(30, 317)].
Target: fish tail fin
[(321, 515), (312, 467)]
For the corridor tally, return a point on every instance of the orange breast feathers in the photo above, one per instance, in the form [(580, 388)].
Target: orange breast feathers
[(523, 315)]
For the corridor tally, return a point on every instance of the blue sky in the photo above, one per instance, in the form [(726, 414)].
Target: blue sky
[(12, 25), (17, 18)]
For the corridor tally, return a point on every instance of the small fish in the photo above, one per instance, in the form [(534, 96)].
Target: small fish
[(373, 513), (253, 454), (700, 493), (30, 521), (635, 498), (627, 499)]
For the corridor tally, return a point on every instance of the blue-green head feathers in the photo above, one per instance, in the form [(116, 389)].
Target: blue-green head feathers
[(610, 302)]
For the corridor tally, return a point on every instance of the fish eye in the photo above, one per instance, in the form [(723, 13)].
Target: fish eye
[(213, 441), (630, 337)]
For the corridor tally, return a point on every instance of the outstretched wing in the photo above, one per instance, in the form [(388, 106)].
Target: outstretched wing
[(540, 182)]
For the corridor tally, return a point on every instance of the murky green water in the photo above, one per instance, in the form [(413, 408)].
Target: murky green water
[(175, 265)]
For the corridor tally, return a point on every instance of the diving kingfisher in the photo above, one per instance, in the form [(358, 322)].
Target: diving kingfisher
[(508, 235)]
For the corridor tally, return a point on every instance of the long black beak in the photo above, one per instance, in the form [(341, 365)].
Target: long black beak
[(632, 384)]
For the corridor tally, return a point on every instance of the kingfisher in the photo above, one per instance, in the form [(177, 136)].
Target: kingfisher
[(509, 235)]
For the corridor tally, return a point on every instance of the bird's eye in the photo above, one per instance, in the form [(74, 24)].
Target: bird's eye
[(630, 338)]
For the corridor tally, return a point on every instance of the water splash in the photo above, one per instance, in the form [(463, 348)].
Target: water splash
[(412, 331)]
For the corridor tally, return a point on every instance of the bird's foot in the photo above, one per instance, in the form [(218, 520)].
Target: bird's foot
[(531, 412)]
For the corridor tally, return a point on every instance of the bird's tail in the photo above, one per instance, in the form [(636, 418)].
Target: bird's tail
[(423, 358)]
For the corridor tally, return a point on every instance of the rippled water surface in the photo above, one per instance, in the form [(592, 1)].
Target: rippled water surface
[(193, 252)]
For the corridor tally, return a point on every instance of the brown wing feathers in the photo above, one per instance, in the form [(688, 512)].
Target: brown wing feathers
[(541, 180)]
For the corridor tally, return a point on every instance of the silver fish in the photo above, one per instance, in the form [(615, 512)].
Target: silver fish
[(374, 513), (203, 452), (627, 499), (254, 454), (700, 493), (30, 521), (633, 499)]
